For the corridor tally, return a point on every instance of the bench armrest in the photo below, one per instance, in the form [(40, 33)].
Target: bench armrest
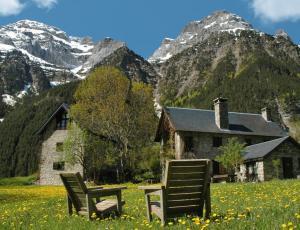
[(152, 189), (94, 193), (94, 188)]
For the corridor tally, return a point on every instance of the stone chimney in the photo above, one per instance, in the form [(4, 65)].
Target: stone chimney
[(221, 113), (266, 114)]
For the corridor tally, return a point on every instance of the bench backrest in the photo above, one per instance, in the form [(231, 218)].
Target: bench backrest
[(76, 189), (186, 183)]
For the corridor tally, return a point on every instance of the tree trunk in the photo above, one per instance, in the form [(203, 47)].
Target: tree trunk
[(118, 174)]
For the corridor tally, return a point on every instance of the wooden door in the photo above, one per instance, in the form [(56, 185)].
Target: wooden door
[(287, 167)]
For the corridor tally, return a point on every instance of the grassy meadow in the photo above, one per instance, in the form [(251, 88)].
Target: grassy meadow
[(269, 205)]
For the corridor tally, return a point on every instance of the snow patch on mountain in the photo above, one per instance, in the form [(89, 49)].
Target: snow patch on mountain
[(6, 48), (25, 90), (8, 99)]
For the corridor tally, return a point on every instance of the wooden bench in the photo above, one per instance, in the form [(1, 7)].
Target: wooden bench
[(87, 201), (185, 191)]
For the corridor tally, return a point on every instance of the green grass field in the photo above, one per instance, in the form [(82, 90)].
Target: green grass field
[(270, 205)]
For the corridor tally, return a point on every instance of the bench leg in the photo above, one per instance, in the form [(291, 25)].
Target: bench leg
[(69, 204), (207, 202), (119, 204), (163, 203), (148, 207)]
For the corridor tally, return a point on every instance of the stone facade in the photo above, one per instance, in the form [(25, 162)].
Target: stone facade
[(50, 155)]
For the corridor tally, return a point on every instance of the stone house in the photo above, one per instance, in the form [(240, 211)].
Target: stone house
[(51, 161), (198, 133), (258, 160)]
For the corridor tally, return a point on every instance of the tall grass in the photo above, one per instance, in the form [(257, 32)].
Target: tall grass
[(269, 205)]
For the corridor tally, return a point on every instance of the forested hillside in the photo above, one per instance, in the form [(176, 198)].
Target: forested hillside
[(251, 70), (19, 141)]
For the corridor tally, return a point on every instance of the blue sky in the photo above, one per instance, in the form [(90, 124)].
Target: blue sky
[(143, 24)]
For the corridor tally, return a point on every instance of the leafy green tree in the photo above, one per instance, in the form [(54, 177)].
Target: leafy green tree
[(146, 163), (109, 105), (232, 155), (74, 147), (100, 154)]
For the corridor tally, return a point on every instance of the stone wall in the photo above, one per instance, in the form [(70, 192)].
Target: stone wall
[(203, 144), (49, 155), (286, 149), (179, 145), (265, 168), (256, 169)]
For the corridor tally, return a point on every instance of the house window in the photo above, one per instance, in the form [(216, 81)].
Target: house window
[(188, 144), (59, 147), (63, 122), (59, 166), (217, 141), (248, 141)]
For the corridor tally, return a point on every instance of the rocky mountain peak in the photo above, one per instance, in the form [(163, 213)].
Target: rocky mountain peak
[(100, 51), (30, 25), (218, 21), (197, 31), (282, 34)]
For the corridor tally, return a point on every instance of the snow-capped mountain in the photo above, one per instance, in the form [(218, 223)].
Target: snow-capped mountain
[(198, 31), (46, 44), (35, 56)]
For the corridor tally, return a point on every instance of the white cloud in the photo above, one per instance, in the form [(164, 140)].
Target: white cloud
[(10, 7), (277, 10), (48, 4)]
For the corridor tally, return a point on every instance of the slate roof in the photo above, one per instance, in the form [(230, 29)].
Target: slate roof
[(199, 120), (62, 106), (262, 149)]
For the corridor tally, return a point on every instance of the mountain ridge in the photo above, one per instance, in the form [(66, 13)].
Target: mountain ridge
[(198, 31)]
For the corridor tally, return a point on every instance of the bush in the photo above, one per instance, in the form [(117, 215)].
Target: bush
[(28, 180)]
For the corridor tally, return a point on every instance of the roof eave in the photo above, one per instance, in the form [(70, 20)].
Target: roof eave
[(63, 105)]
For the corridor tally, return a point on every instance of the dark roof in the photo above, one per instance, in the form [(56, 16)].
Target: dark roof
[(262, 149), (62, 106), (199, 120)]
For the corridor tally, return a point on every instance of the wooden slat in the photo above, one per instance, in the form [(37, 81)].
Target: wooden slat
[(70, 178), (81, 197), (73, 183), (77, 190), (179, 183), (183, 176), (184, 209), (79, 194), (183, 169), (184, 202), (178, 196), (187, 189), (187, 163)]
